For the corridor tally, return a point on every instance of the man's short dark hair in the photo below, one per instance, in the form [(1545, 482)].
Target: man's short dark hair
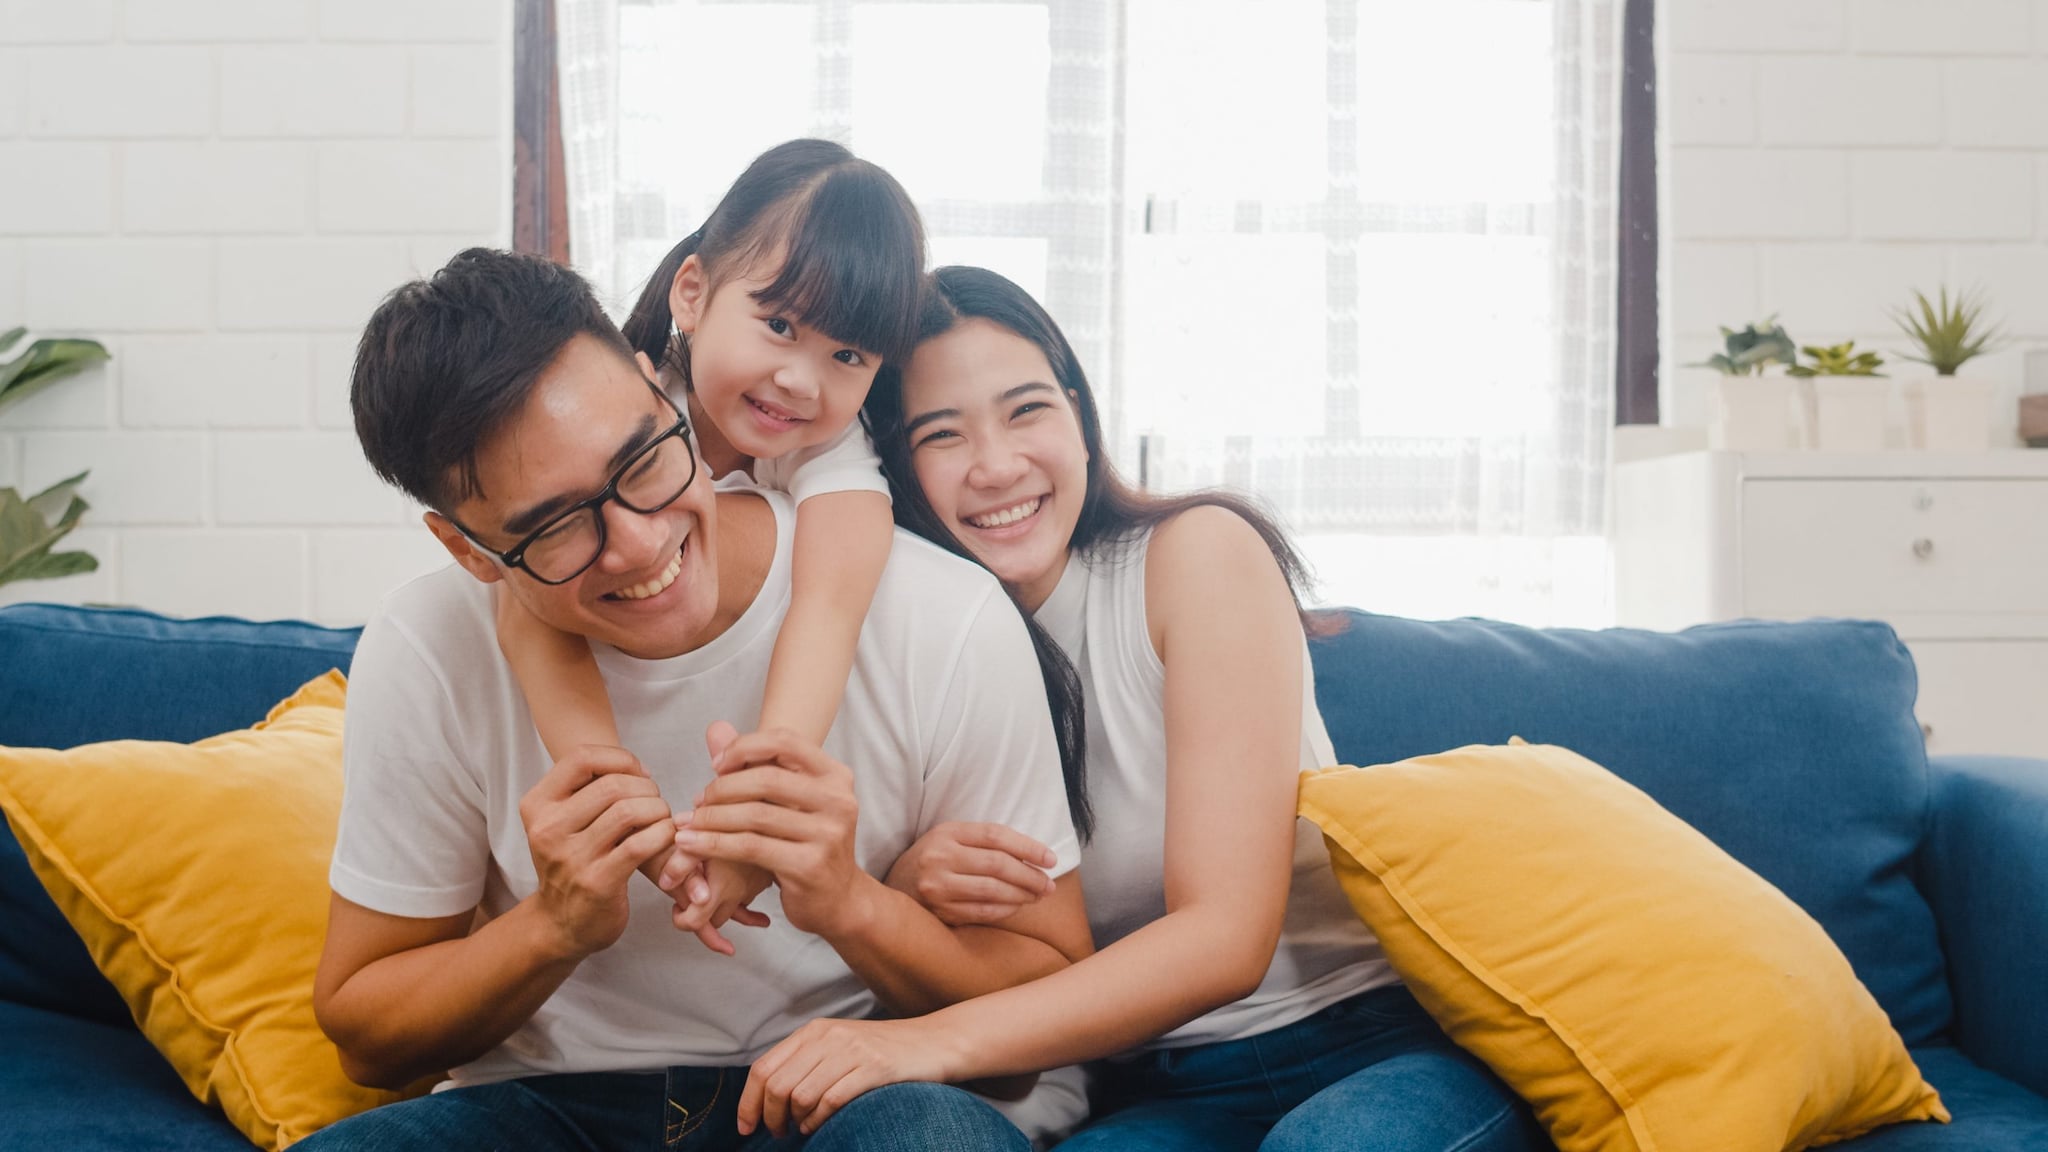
[(445, 361)]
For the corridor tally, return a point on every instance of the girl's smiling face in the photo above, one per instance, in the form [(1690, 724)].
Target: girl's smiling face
[(997, 449), (768, 383)]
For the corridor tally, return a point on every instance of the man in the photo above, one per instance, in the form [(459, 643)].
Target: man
[(486, 918)]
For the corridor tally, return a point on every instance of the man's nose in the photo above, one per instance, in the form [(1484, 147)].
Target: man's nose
[(631, 538)]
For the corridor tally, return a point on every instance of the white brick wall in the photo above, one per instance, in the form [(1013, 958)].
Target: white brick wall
[(222, 191), (1823, 158)]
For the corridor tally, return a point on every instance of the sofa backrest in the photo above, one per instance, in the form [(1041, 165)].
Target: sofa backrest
[(1791, 745), (71, 676)]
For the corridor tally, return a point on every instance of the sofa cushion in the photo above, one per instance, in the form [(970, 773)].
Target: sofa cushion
[(1992, 1114), (86, 1086), (197, 875), (71, 676), (1792, 746), (1635, 984)]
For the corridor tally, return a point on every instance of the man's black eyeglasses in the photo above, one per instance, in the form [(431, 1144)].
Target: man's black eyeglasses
[(571, 541)]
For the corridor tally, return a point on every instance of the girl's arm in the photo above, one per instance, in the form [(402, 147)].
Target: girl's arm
[(842, 543), (559, 678), (565, 695), (1224, 625)]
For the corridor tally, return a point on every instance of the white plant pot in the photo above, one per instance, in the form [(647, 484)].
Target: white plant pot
[(1851, 413), (1752, 414), (1949, 414)]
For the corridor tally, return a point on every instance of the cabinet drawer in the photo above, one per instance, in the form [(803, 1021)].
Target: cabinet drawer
[(1884, 547), (1983, 696)]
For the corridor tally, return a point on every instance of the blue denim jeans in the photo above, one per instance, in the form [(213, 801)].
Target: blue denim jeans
[(1370, 1074), (682, 1110)]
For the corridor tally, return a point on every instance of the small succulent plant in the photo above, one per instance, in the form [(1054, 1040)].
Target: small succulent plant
[(1948, 335), (1754, 348), (1837, 360)]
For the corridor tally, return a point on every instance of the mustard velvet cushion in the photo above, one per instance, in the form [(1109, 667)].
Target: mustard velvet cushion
[(197, 876), (1633, 982)]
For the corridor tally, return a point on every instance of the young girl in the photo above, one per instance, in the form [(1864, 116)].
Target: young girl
[(1236, 1003), (772, 319)]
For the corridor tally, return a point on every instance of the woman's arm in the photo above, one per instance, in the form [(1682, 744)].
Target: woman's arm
[(1224, 625)]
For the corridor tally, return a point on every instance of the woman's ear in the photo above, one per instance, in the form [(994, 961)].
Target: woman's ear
[(688, 294)]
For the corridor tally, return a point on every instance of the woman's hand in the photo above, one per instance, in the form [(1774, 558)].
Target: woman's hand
[(968, 873), (825, 1064)]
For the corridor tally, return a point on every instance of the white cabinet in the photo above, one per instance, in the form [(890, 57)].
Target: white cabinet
[(1951, 550)]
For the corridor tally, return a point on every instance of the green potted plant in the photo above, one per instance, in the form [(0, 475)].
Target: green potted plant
[(30, 528), (1850, 411), (1947, 413), (1752, 410)]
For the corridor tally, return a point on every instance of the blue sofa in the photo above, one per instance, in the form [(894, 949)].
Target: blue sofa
[(1792, 745)]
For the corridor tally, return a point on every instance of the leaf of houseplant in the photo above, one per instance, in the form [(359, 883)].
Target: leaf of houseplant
[(45, 363), (9, 338), (50, 566), (27, 533)]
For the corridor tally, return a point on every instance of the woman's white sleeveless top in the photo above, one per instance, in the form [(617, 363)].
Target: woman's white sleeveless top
[(1097, 615)]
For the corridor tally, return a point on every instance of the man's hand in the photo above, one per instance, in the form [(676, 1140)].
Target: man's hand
[(973, 873), (590, 822), (782, 805), (709, 894)]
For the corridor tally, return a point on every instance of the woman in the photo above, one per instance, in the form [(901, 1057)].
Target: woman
[(1236, 1001)]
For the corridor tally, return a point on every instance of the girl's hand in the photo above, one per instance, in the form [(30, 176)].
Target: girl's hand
[(968, 873), (825, 1064), (728, 890)]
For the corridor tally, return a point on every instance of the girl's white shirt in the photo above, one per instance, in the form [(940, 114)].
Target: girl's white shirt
[(1097, 615), (845, 463)]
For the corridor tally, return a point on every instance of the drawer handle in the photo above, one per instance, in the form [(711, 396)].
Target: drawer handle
[(1923, 547)]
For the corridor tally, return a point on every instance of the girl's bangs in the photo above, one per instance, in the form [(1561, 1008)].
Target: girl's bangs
[(853, 266)]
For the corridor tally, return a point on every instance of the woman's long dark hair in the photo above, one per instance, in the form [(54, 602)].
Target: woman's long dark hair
[(1113, 512)]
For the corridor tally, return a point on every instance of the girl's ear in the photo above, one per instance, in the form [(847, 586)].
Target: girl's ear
[(688, 294)]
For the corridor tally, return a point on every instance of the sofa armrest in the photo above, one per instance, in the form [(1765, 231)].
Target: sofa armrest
[(1984, 868)]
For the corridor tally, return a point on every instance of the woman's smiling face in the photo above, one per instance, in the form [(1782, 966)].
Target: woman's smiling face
[(997, 449)]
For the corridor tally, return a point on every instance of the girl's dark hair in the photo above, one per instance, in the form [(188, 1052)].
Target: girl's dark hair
[(852, 250), (1112, 512)]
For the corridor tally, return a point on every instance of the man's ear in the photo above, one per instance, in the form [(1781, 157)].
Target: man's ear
[(688, 294), (473, 562)]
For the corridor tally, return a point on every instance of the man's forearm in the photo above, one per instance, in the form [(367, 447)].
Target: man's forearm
[(429, 1009), (915, 963)]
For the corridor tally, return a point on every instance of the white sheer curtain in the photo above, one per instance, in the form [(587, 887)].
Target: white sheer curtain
[(1355, 256)]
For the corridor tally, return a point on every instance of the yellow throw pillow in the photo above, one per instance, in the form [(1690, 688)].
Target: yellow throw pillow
[(1638, 986), (197, 876)]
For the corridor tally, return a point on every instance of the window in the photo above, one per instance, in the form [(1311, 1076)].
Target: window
[(1347, 255)]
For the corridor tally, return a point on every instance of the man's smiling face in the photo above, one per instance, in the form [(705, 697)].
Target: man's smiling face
[(653, 590)]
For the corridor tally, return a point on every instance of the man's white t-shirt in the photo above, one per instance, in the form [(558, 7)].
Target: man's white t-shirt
[(944, 718)]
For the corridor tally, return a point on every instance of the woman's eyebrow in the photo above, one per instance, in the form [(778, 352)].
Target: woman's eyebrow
[(1024, 389)]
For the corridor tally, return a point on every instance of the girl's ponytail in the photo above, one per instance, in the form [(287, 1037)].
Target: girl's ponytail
[(647, 327)]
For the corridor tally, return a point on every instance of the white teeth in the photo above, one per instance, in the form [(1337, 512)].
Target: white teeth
[(651, 587), (1008, 515)]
